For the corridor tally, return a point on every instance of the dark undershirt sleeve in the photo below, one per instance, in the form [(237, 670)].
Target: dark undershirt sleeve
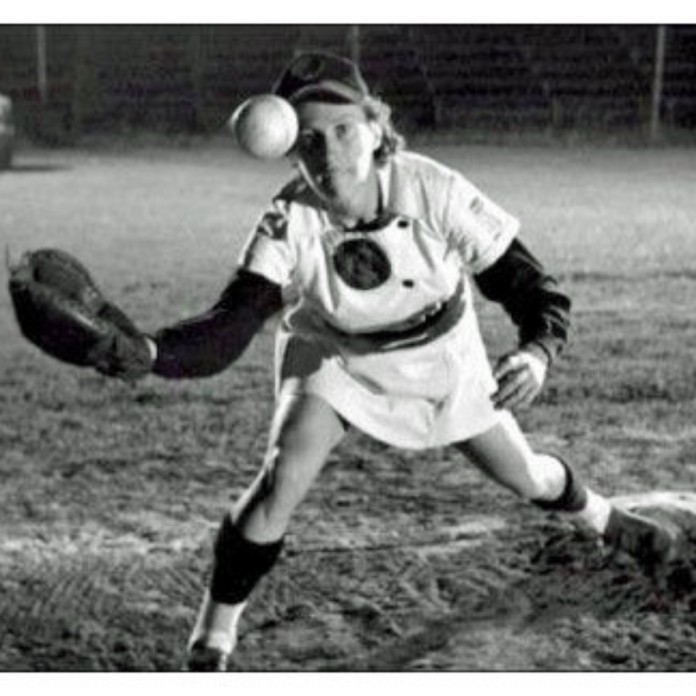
[(531, 298), (207, 344)]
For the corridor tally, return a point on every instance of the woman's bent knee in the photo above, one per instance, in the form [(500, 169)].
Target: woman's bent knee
[(504, 454), (305, 431), (264, 511)]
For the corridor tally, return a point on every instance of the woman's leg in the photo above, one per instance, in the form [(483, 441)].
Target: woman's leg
[(304, 431), (504, 455)]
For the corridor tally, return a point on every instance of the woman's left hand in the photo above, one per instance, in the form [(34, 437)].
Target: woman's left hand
[(520, 376)]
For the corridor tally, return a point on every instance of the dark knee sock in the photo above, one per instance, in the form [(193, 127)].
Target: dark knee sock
[(239, 564), (574, 496)]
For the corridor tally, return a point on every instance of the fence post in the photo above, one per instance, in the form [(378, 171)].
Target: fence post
[(83, 86), (658, 76), (41, 63), (197, 47), (354, 42)]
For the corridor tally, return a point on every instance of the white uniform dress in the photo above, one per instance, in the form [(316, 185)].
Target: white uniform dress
[(356, 293)]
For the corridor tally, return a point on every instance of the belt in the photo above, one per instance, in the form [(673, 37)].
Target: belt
[(417, 331)]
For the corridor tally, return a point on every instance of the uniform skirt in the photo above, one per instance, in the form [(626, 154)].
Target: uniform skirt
[(430, 395)]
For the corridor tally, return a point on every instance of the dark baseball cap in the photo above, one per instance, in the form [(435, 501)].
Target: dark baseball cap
[(323, 75)]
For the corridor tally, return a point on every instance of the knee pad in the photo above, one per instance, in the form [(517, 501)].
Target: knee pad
[(239, 564), (574, 496)]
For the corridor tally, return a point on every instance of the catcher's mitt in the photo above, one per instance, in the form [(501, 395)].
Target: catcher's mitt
[(60, 309)]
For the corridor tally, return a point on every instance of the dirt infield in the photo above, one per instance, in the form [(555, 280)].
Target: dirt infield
[(397, 561)]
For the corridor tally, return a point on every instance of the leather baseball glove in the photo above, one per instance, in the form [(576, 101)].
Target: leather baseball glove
[(60, 309)]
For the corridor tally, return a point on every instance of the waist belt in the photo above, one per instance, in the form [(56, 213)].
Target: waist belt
[(424, 329)]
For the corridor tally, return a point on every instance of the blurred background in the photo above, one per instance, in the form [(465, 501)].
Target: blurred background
[(67, 82)]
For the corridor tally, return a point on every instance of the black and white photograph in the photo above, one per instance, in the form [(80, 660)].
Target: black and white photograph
[(348, 347)]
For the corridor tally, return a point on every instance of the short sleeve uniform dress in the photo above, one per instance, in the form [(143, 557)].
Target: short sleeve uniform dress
[(380, 321)]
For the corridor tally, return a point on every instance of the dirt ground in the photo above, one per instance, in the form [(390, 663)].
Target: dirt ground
[(398, 561)]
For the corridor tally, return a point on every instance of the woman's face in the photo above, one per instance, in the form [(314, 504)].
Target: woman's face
[(336, 146)]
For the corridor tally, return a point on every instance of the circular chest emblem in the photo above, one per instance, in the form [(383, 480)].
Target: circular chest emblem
[(361, 263)]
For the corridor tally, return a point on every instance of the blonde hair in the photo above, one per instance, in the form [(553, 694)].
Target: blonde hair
[(392, 141)]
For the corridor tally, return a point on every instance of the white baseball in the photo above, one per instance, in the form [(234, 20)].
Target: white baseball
[(265, 126)]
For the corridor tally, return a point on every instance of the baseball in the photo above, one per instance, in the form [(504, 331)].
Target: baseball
[(265, 126)]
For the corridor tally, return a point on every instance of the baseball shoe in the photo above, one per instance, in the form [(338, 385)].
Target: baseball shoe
[(651, 543), (202, 658)]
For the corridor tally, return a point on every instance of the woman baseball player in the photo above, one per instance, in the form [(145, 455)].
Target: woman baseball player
[(369, 253)]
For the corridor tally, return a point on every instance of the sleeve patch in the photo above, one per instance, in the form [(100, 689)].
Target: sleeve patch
[(476, 205), (490, 220), (273, 224)]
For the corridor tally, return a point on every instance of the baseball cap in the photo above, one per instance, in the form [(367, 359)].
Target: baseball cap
[(321, 74)]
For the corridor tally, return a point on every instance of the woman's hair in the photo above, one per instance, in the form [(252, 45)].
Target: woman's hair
[(392, 141)]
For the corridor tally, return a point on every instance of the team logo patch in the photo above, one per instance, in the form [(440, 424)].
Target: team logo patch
[(362, 264), (273, 224)]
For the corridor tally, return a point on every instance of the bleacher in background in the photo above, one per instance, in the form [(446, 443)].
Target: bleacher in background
[(117, 78)]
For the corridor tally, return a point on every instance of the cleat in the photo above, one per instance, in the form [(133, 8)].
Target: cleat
[(202, 658), (649, 542)]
